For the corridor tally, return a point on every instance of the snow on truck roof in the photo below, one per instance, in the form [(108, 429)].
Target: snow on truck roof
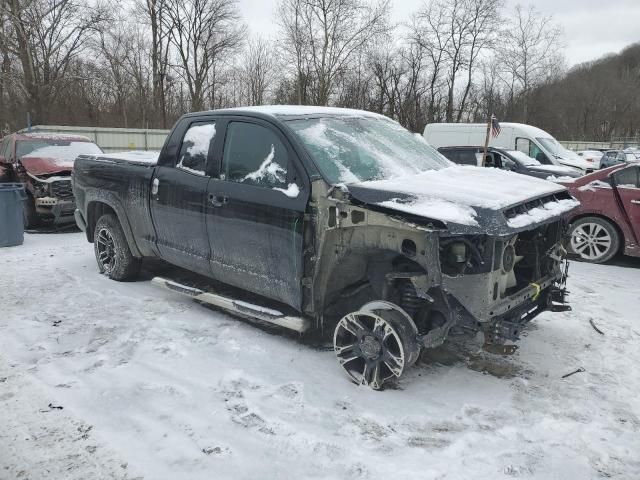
[(299, 110)]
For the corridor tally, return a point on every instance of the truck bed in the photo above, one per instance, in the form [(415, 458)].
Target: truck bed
[(119, 179)]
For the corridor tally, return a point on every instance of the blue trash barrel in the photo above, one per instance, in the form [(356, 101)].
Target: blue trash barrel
[(12, 197)]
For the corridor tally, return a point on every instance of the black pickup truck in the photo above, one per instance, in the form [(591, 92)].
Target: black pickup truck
[(335, 220)]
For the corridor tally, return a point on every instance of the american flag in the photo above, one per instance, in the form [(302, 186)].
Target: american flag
[(495, 126)]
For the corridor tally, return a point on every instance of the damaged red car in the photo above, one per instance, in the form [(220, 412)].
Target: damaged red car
[(43, 163), (608, 219)]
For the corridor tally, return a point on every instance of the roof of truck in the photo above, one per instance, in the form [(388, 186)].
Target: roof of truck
[(300, 110)]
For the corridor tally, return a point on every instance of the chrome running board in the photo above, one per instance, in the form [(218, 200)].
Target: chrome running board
[(245, 309)]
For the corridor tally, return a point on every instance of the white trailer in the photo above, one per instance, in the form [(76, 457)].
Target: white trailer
[(528, 139)]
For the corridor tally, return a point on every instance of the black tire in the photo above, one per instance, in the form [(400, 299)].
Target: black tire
[(594, 239), (112, 251), (31, 218)]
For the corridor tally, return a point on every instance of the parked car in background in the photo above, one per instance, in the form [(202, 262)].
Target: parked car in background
[(635, 151), (336, 220), (617, 157), (512, 160), (43, 162), (592, 156), (608, 219), (532, 141)]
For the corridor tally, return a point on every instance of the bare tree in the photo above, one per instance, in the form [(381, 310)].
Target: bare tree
[(47, 36), (202, 31), (454, 34), (155, 14), (258, 69), (325, 34), (528, 50)]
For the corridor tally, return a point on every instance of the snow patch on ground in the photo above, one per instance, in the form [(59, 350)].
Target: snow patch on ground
[(174, 390)]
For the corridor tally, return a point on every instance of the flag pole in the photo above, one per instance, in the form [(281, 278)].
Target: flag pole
[(486, 140)]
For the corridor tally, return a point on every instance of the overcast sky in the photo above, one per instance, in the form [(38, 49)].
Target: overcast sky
[(592, 27)]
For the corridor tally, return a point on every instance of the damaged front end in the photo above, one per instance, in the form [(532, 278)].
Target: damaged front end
[(499, 284), (52, 196), (431, 277)]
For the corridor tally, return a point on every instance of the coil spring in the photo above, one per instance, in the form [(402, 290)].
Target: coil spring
[(409, 300)]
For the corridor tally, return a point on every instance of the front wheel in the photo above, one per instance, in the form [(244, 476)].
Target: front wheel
[(376, 344), (112, 250), (594, 239)]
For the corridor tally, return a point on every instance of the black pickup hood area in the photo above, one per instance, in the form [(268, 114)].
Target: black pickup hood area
[(469, 200)]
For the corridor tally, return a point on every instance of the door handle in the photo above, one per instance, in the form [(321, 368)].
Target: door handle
[(218, 199), (154, 186), (636, 202)]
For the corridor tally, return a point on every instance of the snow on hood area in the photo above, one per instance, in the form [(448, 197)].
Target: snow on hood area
[(472, 186), (44, 166), (540, 214), (121, 380), (451, 193)]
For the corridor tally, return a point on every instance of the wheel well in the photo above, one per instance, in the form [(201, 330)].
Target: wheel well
[(95, 210), (361, 277), (606, 219)]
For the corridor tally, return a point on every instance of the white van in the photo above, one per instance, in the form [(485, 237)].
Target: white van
[(534, 142)]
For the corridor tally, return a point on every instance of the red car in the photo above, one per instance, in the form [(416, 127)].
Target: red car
[(43, 162), (608, 219)]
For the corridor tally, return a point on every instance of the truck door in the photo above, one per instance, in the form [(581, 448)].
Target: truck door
[(628, 185), (178, 198), (256, 210)]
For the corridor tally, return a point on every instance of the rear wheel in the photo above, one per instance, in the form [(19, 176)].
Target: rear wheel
[(376, 344), (594, 239), (112, 250)]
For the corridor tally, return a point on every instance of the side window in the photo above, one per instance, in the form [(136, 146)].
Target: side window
[(467, 157), (523, 145), (627, 177), (254, 155), (506, 163), (195, 147)]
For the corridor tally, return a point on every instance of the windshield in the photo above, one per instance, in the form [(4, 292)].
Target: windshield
[(523, 158), (356, 149), (58, 149), (552, 145)]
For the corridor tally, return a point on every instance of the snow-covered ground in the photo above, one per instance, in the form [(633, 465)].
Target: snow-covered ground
[(155, 386)]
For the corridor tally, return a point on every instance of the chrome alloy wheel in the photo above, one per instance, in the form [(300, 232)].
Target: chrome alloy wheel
[(591, 241), (106, 249), (373, 349)]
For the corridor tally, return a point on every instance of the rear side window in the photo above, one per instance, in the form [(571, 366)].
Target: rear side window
[(461, 157), (195, 147), (627, 177), (254, 155), (467, 157)]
